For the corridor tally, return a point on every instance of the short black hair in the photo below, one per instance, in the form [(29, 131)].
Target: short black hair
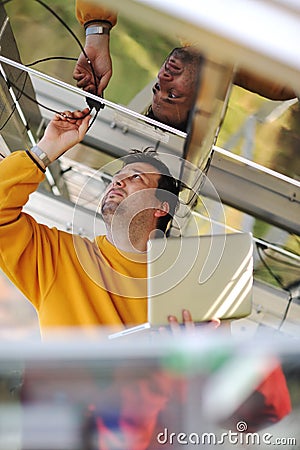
[(168, 187)]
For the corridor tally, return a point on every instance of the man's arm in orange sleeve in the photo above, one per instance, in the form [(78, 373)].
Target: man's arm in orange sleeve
[(263, 86), (89, 11), (93, 69), (22, 239)]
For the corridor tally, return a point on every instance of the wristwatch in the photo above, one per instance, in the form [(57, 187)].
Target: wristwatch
[(41, 155), (99, 29)]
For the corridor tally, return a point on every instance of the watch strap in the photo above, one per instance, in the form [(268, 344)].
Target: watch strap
[(41, 155), (99, 29)]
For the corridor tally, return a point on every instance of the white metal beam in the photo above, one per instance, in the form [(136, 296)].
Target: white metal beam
[(240, 183), (256, 190)]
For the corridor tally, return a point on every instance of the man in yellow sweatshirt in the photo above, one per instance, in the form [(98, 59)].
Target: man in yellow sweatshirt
[(174, 91), (70, 280), (73, 282)]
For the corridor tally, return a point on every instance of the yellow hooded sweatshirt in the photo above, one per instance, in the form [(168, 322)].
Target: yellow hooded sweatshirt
[(89, 11), (70, 280)]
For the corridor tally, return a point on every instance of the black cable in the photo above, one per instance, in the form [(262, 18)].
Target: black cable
[(63, 23), (4, 2), (50, 58), (57, 112), (93, 119), (278, 279), (10, 83), (20, 91), (91, 103), (289, 300), (9, 117), (14, 106)]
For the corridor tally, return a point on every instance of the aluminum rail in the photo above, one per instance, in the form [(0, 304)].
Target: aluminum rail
[(240, 183), (85, 94), (256, 190)]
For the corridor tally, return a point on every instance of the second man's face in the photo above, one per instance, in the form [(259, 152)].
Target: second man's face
[(174, 92)]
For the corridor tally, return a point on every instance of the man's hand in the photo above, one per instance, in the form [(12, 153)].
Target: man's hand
[(97, 50), (63, 132), (189, 325)]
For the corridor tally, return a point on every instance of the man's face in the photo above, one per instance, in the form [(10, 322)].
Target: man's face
[(174, 92), (129, 187)]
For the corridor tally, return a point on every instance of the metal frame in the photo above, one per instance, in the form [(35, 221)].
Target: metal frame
[(240, 183)]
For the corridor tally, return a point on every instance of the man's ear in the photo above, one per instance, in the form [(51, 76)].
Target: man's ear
[(163, 210)]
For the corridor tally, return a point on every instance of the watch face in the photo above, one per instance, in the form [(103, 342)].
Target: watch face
[(41, 155), (97, 30), (45, 159)]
